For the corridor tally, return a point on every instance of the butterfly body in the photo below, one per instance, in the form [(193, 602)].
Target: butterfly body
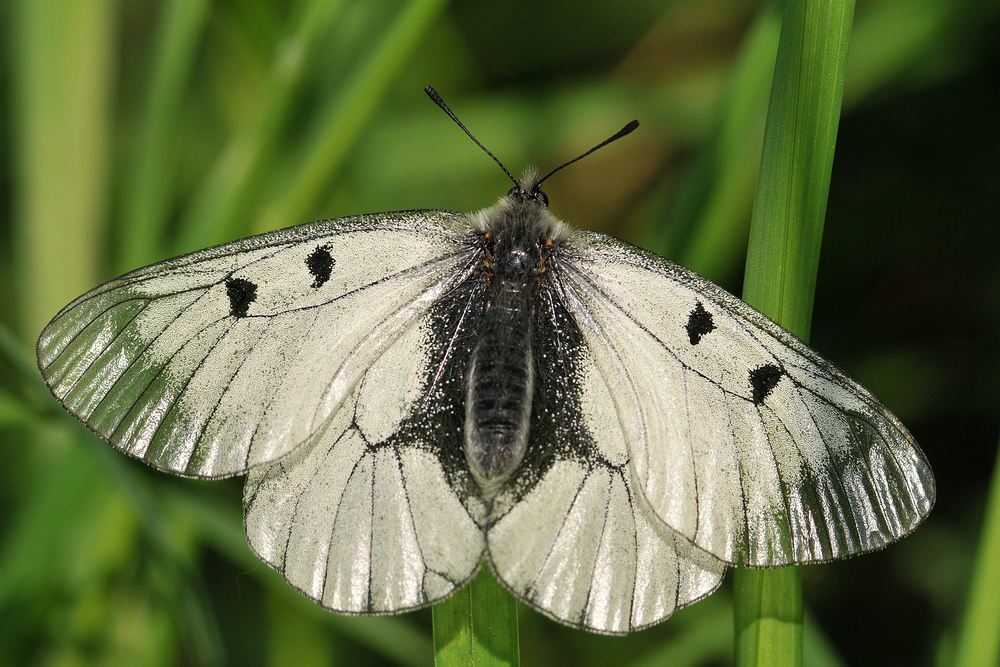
[(516, 236)]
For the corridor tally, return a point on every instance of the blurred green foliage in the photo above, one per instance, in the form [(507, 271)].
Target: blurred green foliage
[(134, 130)]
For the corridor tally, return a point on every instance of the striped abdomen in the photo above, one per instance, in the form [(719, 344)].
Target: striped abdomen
[(499, 385)]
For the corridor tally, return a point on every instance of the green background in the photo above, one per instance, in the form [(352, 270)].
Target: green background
[(131, 131)]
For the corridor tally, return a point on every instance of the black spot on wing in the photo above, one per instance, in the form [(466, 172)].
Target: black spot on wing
[(320, 264), (763, 380), (241, 293), (699, 323)]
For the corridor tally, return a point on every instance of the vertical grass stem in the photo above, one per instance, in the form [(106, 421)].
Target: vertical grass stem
[(979, 636), (783, 257), (477, 627)]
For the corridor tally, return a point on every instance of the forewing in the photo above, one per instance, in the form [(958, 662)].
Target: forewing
[(743, 439), (571, 535), (375, 513), (214, 362)]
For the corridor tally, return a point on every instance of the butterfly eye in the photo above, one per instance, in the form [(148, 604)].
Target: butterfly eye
[(536, 195)]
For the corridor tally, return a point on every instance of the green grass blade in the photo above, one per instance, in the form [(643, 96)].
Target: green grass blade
[(797, 160), (34, 544), (720, 230), (64, 53), (349, 114), (702, 635), (15, 354), (147, 195), (477, 627), (768, 616), (891, 37), (295, 640), (783, 257), (817, 649), (979, 636), (229, 186), (33, 398), (14, 412), (178, 583), (220, 524)]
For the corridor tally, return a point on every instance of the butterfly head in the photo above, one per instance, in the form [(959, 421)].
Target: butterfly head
[(529, 189), (520, 222), (522, 216)]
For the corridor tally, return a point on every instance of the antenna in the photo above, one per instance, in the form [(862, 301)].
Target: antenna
[(433, 94), (618, 135)]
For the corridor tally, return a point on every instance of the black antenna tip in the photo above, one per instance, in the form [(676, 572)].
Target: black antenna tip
[(628, 129), (433, 94)]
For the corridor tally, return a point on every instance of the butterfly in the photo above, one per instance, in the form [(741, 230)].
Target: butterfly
[(414, 394)]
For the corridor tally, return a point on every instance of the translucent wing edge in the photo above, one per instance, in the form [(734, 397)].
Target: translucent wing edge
[(446, 224)]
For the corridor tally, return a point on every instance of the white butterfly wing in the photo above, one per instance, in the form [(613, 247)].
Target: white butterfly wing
[(365, 518), (214, 362), (743, 439), (571, 535)]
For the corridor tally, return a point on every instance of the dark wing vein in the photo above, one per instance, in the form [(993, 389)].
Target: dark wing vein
[(777, 472), (350, 354), (694, 466), (226, 389), (604, 527), (160, 372), (274, 393), (562, 525)]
